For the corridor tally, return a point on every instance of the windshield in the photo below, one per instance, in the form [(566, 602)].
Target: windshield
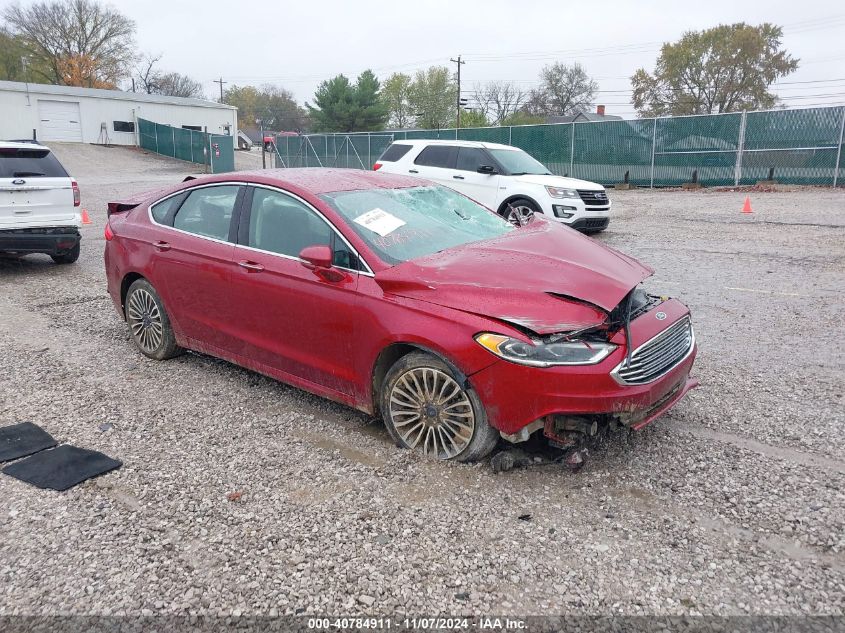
[(518, 163), (403, 224)]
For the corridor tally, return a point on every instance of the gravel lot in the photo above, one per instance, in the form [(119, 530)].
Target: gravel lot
[(732, 504)]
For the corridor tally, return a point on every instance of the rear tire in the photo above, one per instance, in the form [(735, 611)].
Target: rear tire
[(68, 257), (425, 408), (149, 325)]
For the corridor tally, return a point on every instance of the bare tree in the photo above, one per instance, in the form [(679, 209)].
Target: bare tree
[(146, 73), (79, 33), (497, 100), (155, 82), (563, 90)]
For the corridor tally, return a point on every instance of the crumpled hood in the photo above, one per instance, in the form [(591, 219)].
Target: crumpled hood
[(559, 181), (544, 276)]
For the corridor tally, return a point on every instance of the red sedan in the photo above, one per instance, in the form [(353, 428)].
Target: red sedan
[(400, 298)]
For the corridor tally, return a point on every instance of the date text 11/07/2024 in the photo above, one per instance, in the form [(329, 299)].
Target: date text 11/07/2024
[(423, 624)]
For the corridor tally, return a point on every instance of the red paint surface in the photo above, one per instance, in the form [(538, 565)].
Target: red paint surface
[(325, 333)]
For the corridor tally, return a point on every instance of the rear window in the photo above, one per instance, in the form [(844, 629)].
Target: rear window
[(29, 163), (394, 153), (435, 156)]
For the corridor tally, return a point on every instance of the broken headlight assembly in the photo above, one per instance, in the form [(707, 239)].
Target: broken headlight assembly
[(546, 354)]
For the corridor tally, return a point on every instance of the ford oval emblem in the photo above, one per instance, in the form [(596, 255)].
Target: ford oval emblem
[(660, 316), (19, 181)]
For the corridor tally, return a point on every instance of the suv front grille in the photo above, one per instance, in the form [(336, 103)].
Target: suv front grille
[(654, 358), (594, 198)]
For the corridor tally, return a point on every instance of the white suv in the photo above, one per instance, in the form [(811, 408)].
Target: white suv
[(502, 178), (39, 203)]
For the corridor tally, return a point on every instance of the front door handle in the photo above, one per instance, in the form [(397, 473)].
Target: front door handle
[(252, 267), (458, 177), (161, 246), (413, 171)]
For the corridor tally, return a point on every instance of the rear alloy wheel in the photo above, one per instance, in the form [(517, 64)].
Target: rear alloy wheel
[(148, 322), (425, 408), (519, 212), (68, 257)]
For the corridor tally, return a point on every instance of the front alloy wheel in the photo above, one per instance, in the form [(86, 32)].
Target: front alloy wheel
[(426, 409)]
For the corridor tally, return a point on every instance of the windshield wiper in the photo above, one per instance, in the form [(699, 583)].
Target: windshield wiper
[(461, 214), (24, 174)]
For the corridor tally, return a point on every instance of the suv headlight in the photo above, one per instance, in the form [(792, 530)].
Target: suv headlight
[(538, 354), (561, 192)]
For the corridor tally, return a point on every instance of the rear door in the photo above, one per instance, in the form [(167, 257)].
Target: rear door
[(35, 190), (483, 188), (436, 162), (191, 254)]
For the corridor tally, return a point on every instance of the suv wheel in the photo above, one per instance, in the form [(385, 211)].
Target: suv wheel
[(68, 257), (426, 409), (519, 212)]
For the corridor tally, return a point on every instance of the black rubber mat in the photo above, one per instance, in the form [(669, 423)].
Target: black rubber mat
[(20, 440), (62, 467)]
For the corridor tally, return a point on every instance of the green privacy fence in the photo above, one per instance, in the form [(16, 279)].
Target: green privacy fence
[(214, 150), (802, 146)]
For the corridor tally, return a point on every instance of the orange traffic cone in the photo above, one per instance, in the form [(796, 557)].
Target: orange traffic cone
[(746, 208), (86, 219)]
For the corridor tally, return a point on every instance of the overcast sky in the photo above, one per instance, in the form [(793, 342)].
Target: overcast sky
[(297, 44)]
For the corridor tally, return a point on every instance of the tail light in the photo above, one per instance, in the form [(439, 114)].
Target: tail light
[(77, 199), (108, 233), (377, 166)]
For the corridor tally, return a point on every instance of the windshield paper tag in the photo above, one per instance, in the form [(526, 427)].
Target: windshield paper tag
[(379, 221)]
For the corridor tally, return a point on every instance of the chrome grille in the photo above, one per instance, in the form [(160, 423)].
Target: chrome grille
[(654, 358), (593, 198)]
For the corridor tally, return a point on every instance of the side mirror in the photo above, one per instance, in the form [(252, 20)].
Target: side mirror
[(487, 169), (319, 256)]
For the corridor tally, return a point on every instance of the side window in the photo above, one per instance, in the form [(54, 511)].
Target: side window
[(163, 210), (435, 156), (281, 224), (207, 211), (394, 153), (471, 158)]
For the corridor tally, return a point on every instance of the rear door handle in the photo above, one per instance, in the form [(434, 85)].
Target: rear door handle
[(161, 246), (413, 171), (252, 267), (458, 177)]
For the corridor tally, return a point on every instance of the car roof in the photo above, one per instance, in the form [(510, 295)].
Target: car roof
[(318, 180), (457, 143), (22, 145)]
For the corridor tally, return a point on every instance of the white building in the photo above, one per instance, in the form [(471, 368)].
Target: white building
[(90, 115)]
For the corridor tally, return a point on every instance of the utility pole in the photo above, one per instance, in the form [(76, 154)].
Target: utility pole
[(221, 82), (458, 100)]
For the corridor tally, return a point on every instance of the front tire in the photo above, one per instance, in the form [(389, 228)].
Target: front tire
[(519, 212), (68, 257), (425, 408), (149, 325)]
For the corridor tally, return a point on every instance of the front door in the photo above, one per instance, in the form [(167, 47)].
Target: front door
[(292, 319), (483, 188)]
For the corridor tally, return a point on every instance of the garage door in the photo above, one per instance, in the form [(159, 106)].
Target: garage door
[(60, 121)]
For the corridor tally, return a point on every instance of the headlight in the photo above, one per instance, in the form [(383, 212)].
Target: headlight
[(575, 352), (560, 192)]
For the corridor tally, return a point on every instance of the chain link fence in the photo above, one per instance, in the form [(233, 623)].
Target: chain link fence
[(216, 151), (802, 146)]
